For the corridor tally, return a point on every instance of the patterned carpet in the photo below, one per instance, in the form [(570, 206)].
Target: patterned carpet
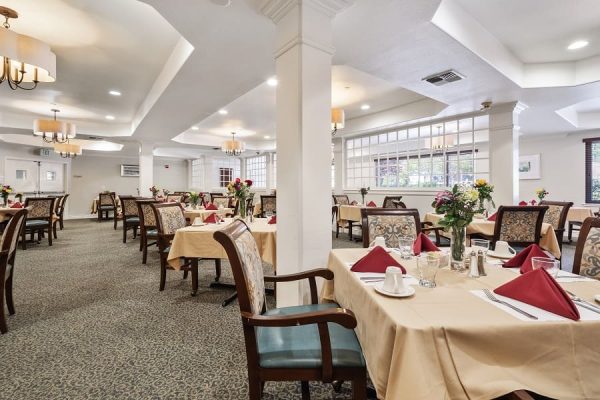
[(91, 324)]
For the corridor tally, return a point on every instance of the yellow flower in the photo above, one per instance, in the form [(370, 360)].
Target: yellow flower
[(480, 182)]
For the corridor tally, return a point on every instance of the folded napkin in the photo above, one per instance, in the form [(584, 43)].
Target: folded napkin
[(539, 289), (523, 259), (371, 204), (377, 260), (211, 219), (16, 205), (522, 203), (273, 220), (423, 243), (211, 206), (492, 217)]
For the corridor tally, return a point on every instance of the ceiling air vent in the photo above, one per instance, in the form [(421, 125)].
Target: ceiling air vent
[(444, 77)]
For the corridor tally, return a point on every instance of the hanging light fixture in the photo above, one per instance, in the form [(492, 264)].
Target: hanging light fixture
[(24, 59), (67, 150), (338, 120), (54, 131), (233, 147), (441, 143)]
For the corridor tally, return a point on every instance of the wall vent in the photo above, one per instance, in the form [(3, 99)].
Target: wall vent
[(443, 78), (130, 170)]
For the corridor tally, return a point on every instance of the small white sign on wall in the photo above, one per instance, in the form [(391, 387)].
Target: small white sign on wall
[(529, 167)]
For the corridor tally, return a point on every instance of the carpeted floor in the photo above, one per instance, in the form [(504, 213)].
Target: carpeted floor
[(91, 324)]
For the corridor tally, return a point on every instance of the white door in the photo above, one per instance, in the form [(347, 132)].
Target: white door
[(22, 175), (51, 177)]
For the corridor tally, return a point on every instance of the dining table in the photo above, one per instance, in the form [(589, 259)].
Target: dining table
[(548, 239), (349, 214), (575, 218), (450, 342), (191, 214), (6, 213)]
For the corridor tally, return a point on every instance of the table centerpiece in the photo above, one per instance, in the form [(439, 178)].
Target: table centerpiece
[(6, 190), (241, 191)]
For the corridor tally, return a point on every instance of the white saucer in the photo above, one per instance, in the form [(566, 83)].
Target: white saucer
[(492, 253), (408, 291)]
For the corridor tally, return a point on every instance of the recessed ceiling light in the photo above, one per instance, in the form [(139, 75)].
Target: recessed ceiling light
[(365, 107), (114, 93), (272, 82), (223, 112), (267, 137), (195, 128), (110, 117), (578, 44)]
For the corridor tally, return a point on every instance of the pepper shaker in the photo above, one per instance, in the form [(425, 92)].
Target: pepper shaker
[(481, 263), (473, 270)]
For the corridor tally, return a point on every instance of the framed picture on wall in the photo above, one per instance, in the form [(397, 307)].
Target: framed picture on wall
[(529, 167)]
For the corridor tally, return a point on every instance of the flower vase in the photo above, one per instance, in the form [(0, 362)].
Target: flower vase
[(242, 207), (457, 248), (5, 201), (363, 199)]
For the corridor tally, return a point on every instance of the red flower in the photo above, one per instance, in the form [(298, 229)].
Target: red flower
[(248, 182), (237, 180)]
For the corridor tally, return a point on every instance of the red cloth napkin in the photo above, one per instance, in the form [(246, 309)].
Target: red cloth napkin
[(371, 204), (523, 259), (211, 206), (211, 219), (539, 289), (522, 203), (273, 220), (492, 217), (377, 260), (423, 243), (16, 205)]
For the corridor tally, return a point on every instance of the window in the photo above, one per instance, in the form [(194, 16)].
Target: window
[(226, 169), (256, 170), (274, 163), (592, 170), (198, 174), (225, 176), (426, 156), (21, 174)]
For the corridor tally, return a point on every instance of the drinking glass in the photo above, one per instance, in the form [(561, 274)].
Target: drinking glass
[(405, 244), (427, 266), (549, 264), (480, 244)]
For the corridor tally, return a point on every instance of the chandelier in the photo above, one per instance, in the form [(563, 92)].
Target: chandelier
[(441, 143), (233, 147), (338, 119), (25, 60), (67, 150), (54, 131)]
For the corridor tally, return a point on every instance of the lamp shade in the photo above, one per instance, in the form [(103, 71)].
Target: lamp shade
[(25, 52), (338, 118), (67, 149)]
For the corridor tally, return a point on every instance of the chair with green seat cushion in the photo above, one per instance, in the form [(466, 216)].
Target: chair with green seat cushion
[(131, 218), (148, 231), (107, 203), (314, 342), (39, 219)]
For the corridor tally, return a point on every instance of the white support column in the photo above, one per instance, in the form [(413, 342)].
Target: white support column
[(504, 152), (146, 167), (303, 64)]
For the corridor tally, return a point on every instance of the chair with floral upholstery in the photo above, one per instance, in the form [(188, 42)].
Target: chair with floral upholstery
[(148, 231), (174, 198), (314, 342), (390, 223), (221, 201), (392, 202), (520, 226), (107, 203), (8, 250), (587, 253), (215, 194), (268, 205), (557, 217), (39, 219), (130, 215)]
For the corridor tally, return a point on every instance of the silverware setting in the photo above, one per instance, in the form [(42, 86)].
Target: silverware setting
[(493, 298), (581, 302)]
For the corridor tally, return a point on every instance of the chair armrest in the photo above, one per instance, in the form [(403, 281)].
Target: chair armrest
[(321, 272), (339, 316)]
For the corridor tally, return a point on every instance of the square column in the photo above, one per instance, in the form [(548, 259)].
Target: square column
[(146, 162), (504, 152)]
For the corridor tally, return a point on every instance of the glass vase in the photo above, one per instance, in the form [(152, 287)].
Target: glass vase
[(242, 207), (457, 248), (5, 201)]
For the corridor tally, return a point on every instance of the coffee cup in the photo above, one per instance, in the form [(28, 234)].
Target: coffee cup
[(394, 281), (379, 241), (502, 248)]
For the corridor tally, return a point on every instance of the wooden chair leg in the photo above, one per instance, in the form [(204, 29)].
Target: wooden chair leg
[(62, 224), (24, 239), (163, 273), (217, 269), (135, 228), (305, 390), (8, 290), (49, 235), (124, 232), (254, 387), (54, 230), (3, 326), (145, 252), (359, 388)]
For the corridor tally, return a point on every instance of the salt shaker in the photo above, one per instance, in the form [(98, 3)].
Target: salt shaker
[(473, 268), (481, 263)]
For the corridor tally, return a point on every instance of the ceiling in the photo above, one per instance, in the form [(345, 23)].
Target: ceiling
[(178, 62)]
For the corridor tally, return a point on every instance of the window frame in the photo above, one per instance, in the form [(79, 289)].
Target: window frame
[(256, 170), (589, 143)]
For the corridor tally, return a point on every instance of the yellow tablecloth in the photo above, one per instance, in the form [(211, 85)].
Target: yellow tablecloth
[(548, 241), (579, 214), (349, 213), (445, 343), (7, 213), (193, 214), (198, 242)]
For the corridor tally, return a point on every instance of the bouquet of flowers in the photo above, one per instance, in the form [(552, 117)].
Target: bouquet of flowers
[(364, 192), (194, 198), (541, 193), (6, 190), (154, 191), (241, 191), (485, 192)]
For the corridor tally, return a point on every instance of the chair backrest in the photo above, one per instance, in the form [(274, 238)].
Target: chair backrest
[(391, 223), (146, 213), (268, 204), (184, 196), (213, 194), (174, 198), (10, 237), (587, 252), (107, 199), (61, 207), (129, 207), (341, 199), (519, 225), (221, 201), (398, 204), (557, 213), (391, 201), (169, 217), (40, 207), (57, 204)]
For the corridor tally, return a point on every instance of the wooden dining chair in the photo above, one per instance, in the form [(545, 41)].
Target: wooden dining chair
[(314, 342), (8, 250), (148, 230), (268, 204), (107, 203), (339, 200), (55, 217), (221, 201), (215, 194), (61, 211), (392, 202), (557, 217), (130, 216), (174, 198), (520, 226), (390, 223), (39, 219), (587, 252)]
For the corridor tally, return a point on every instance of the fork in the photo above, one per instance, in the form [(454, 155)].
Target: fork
[(583, 303), (493, 298)]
